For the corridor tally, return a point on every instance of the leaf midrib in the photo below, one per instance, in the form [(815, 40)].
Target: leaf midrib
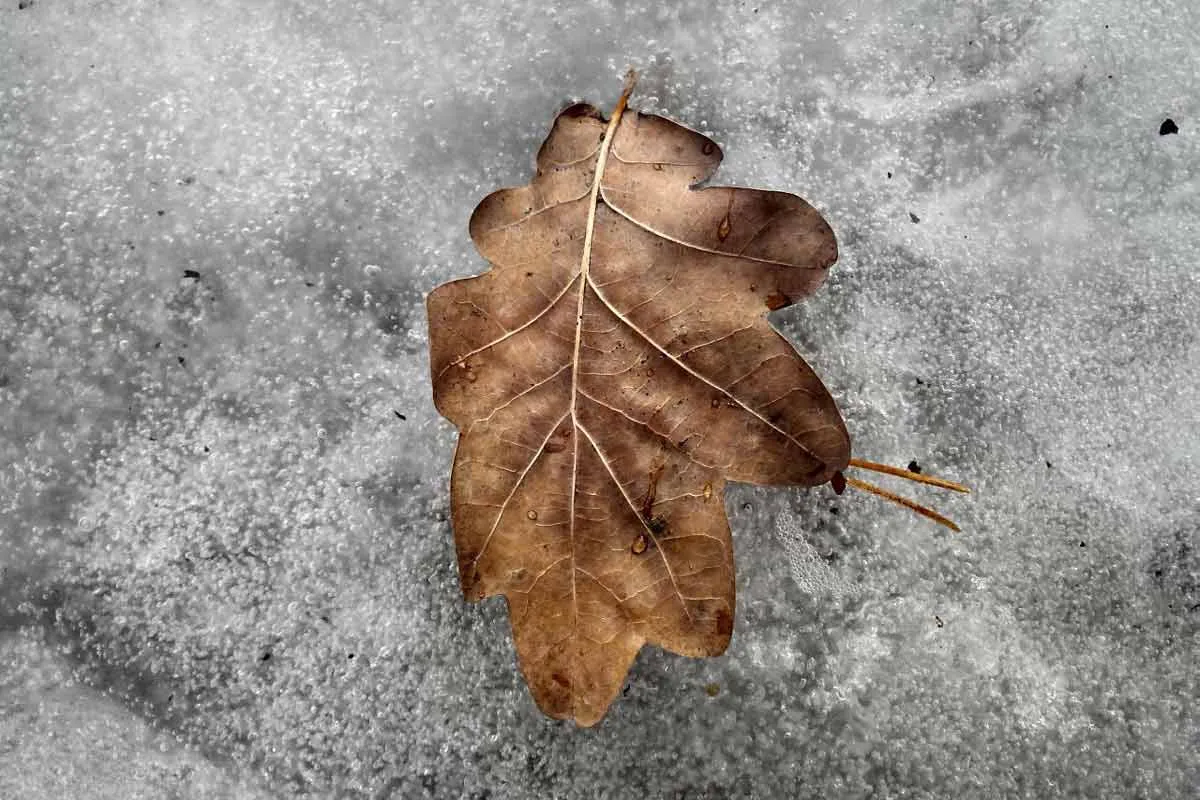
[(584, 264)]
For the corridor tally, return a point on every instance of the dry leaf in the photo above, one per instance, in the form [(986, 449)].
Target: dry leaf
[(607, 376)]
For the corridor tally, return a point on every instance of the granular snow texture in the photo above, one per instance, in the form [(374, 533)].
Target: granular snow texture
[(226, 568)]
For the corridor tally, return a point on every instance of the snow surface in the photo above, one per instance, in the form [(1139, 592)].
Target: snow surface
[(225, 563)]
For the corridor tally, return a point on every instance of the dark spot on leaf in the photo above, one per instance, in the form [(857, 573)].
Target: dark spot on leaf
[(657, 525), (560, 679), (707, 149), (724, 228), (724, 622), (1168, 127), (777, 300), (581, 110), (651, 490)]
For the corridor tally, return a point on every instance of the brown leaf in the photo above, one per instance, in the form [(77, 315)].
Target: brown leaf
[(607, 376)]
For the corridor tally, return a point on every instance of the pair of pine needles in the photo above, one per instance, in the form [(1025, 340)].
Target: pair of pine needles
[(840, 482)]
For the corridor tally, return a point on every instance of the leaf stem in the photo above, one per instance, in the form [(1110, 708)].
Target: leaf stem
[(631, 78)]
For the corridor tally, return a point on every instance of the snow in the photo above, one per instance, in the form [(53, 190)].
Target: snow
[(225, 561)]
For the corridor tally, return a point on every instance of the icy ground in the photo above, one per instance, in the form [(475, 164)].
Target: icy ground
[(225, 564)]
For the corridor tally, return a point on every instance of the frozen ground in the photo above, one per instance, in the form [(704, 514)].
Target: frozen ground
[(225, 565)]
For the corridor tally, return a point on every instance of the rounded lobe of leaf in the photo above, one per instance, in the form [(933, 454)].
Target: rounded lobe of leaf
[(574, 137)]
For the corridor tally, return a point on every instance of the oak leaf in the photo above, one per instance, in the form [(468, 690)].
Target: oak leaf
[(607, 375)]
